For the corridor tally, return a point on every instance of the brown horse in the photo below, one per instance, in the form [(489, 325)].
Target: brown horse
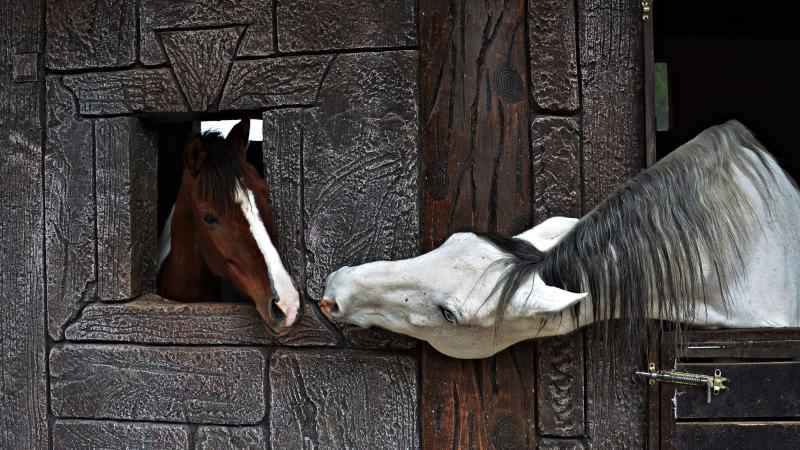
[(219, 231)]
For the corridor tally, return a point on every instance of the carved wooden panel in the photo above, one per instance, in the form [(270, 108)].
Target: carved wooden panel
[(308, 25), (218, 385), (555, 143), (69, 209), (95, 434), (342, 399), (126, 92), (87, 35), (553, 55), (230, 438), (559, 380), (23, 327)]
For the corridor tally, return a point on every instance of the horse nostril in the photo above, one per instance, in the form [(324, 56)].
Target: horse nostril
[(277, 313), (329, 307)]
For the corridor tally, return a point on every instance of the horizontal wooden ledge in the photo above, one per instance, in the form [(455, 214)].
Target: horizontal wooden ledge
[(154, 320)]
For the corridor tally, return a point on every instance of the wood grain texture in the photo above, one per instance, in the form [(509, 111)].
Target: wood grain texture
[(23, 331), (126, 92), (308, 25), (360, 167), (154, 320), (200, 60), (738, 435), (755, 390), (560, 388), (91, 435), (88, 35), (555, 142), (218, 385), (70, 234), (286, 81), (230, 438), (561, 444), (126, 152), (342, 399), (612, 120), (283, 171), (157, 15), (477, 175), (553, 55)]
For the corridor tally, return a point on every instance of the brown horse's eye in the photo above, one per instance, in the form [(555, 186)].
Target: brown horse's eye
[(210, 219)]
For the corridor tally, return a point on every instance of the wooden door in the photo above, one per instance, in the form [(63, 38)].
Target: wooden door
[(760, 409)]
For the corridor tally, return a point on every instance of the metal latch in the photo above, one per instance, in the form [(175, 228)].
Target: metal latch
[(645, 11), (713, 384)]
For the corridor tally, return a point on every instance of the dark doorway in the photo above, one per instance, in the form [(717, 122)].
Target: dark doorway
[(729, 60)]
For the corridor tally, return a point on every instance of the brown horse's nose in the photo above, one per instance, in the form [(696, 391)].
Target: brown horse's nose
[(328, 307)]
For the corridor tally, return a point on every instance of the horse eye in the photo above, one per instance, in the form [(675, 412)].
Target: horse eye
[(448, 315), (210, 219)]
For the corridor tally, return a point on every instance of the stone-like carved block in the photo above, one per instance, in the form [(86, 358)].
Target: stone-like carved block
[(157, 15), (287, 81), (95, 434), (200, 60), (126, 92), (228, 438), (335, 25), (89, 35), (342, 399), (556, 167), (219, 385), (553, 55), (126, 161), (560, 385), (69, 203)]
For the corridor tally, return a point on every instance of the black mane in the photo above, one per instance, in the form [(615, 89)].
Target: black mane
[(222, 171)]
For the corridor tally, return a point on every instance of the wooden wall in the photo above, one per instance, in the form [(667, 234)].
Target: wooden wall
[(388, 125)]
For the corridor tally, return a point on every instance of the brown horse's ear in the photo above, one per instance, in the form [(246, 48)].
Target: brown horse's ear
[(239, 136), (194, 156)]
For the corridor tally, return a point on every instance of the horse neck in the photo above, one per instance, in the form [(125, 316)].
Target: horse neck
[(184, 274)]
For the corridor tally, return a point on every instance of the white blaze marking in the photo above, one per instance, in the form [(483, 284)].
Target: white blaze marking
[(288, 298)]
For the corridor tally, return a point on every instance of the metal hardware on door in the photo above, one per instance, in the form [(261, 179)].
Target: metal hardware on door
[(713, 383), (645, 10)]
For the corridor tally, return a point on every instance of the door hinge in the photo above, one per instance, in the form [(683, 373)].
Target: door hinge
[(714, 384), (645, 10)]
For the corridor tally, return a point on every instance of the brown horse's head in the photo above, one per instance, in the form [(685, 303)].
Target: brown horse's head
[(223, 218)]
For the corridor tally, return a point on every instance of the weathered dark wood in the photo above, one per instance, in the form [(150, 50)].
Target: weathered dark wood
[(561, 444), (306, 25), (287, 81), (283, 153), (200, 60), (476, 174), (738, 435), (556, 167), (23, 332), (89, 35), (69, 209), (157, 15), (126, 153), (360, 165), (769, 389), (229, 438), (91, 434), (766, 343), (553, 55), (342, 399), (153, 320), (610, 40), (560, 392), (216, 385), (130, 91)]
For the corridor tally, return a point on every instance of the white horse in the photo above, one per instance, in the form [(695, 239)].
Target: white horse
[(708, 236)]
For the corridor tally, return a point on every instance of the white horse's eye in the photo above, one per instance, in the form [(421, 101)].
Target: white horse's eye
[(448, 315)]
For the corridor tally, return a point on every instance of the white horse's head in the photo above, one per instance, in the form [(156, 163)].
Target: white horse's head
[(449, 296)]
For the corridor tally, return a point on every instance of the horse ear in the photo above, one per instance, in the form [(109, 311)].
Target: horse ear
[(239, 136), (194, 155), (548, 233), (549, 299)]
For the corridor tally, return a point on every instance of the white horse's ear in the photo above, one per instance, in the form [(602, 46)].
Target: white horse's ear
[(548, 233), (549, 299)]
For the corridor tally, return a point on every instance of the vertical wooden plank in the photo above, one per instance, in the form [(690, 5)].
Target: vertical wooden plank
[(23, 391), (126, 172), (474, 108), (612, 117)]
